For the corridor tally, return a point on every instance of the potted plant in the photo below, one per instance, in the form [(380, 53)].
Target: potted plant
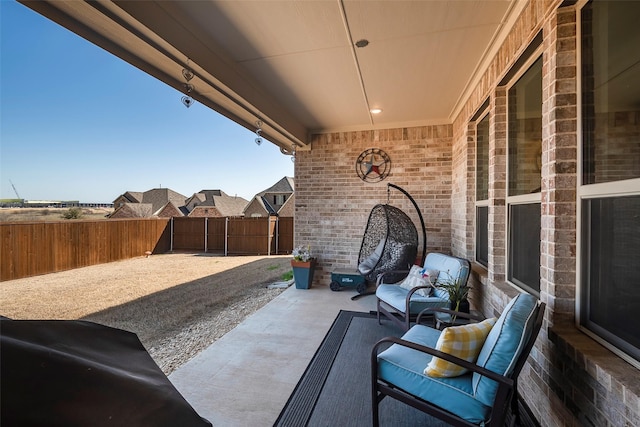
[(457, 294), (303, 264)]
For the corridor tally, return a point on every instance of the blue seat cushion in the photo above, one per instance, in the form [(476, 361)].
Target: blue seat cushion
[(396, 297), (404, 368), (504, 344)]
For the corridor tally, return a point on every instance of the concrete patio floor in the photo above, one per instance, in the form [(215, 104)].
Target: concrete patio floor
[(245, 378)]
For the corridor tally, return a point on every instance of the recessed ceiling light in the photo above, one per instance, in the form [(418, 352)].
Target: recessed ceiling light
[(376, 110), (362, 43)]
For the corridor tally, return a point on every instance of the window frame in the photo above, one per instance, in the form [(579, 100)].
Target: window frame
[(519, 199), (611, 189), (480, 203)]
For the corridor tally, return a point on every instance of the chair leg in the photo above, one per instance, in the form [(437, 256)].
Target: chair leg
[(515, 410), (374, 387), (378, 310), (375, 410)]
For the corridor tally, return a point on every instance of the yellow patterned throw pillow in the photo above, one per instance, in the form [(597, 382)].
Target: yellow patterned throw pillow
[(464, 342)]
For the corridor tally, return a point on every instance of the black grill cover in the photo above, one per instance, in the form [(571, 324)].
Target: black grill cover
[(76, 373)]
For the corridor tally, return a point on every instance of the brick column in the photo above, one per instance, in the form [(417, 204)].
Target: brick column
[(497, 185), (559, 168)]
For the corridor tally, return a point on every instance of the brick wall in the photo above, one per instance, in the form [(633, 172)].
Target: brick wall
[(569, 380), (333, 203)]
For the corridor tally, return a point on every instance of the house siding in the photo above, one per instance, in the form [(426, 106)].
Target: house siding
[(169, 211), (205, 212), (569, 380), (288, 209), (255, 208)]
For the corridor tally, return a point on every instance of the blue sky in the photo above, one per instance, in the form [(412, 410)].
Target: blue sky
[(77, 123)]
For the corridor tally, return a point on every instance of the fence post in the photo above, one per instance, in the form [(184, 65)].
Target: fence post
[(226, 234), (277, 235), (171, 233), (206, 230), (269, 235)]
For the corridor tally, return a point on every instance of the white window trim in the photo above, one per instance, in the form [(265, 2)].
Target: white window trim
[(522, 198), (478, 203), (630, 187)]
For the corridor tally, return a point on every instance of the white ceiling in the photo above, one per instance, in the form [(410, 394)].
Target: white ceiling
[(294, 64)]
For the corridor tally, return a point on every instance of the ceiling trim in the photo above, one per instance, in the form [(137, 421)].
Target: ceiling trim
[(345, 22), (389, 125), (499, 37)]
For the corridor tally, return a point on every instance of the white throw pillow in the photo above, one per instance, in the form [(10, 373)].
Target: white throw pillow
[(419, 277)]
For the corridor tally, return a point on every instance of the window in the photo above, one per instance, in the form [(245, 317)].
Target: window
[(525, 132), (609, 192), (524, 245), (278, 199), (482, 235), (482, 191), (612, 286), (524, 103)]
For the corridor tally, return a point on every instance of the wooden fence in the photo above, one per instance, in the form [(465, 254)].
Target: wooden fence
[(233, 236), (30, 249)]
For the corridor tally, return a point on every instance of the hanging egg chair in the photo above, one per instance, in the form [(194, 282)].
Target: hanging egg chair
[(390, 242)]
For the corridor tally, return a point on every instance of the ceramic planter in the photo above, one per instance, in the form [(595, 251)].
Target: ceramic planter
[(303, 273)]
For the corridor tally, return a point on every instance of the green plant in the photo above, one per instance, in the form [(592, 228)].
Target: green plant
[(72, 213), (287, 276), (302, 254), (457, 292)]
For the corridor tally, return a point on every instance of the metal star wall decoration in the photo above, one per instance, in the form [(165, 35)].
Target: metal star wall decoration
[(373, 165)]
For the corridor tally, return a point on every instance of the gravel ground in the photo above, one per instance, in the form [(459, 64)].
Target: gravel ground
[(172, 352), (177, 304)]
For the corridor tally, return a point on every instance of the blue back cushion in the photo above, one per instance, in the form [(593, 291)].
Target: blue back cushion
[(450, 268), (504, 344)]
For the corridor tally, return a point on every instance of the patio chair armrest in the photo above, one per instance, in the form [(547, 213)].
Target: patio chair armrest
[(431, 310), (506, 381), (414, 290), (382, 275)]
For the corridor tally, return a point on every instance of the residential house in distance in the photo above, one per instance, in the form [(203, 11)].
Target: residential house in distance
[(166, 203), (158, 202), (214, 203), (277, 200)]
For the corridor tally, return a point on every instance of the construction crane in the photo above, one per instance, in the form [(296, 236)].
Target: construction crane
[(14, 190)]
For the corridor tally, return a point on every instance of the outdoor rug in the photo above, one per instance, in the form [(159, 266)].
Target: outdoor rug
[(335, 389)]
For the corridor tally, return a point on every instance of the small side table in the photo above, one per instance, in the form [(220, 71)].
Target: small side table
[(444, 320)]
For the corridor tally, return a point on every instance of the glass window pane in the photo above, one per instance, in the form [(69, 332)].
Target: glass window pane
[(524, 246), (525, 132), (482, 235), (612, 248), (610, 91), (482, 159)]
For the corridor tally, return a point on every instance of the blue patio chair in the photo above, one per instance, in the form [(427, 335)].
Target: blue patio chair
[(402, 305), (482, 395)]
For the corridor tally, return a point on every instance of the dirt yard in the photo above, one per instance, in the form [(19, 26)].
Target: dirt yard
[(49, 214), (177, 304)]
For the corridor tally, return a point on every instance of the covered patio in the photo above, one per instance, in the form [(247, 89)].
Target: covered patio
[(514, 125), (246, 377)]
